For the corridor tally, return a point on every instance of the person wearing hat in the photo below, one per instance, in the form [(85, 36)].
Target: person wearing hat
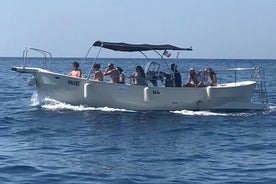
[(192, 79)]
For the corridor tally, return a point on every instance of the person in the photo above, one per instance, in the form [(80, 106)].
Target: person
[(202, 78), (177, 80), (138, 77), (121, 76), (174, 79), (192, 79), (76, 72), (98, 74), (112, 72), (213, 76), (168, 79)]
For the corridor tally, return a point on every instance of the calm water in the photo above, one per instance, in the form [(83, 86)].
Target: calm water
[(54, 142)]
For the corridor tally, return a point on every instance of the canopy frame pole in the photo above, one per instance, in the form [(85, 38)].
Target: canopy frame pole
[(98, 54), (144, 55)]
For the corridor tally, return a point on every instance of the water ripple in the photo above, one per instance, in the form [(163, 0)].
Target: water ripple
[(45, 141), (19, 169)]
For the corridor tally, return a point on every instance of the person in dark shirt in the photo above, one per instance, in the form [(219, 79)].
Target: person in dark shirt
[(177, 76), (174, 78)]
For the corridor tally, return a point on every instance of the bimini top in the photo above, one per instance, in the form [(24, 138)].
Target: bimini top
[(125, 47)]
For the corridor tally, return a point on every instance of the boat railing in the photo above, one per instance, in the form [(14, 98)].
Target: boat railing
[(256, 74), (234, 72), (232, 75), (47, 56), (259, 76)]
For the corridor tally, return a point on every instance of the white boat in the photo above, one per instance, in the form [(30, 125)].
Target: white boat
[(236, 95)]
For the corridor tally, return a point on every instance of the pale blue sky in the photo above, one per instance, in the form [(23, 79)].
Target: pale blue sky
[(214, 28)]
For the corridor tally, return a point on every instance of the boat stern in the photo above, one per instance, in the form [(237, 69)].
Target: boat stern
[(239, 91)]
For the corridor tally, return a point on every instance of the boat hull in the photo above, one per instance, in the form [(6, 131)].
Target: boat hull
[(81, 91)]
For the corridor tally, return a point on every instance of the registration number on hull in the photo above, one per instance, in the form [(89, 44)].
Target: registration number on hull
[(73, 82)]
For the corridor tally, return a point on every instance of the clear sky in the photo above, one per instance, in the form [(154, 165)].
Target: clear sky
[(235, 29)]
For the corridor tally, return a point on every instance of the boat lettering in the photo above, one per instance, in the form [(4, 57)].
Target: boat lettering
[(155, 92), (73, 82)]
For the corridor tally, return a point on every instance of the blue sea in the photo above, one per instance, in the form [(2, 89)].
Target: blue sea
[(54, 142)]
